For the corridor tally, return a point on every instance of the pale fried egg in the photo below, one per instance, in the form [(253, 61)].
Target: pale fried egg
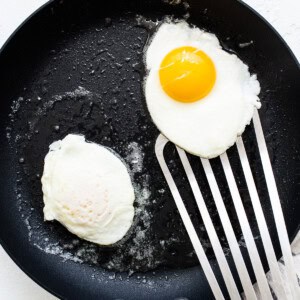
[(88, 190), (198, 95)]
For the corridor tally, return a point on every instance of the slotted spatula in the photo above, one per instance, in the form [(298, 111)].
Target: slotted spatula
[(263, 286)]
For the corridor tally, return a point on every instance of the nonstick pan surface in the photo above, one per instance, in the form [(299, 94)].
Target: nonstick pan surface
[(77, 67)]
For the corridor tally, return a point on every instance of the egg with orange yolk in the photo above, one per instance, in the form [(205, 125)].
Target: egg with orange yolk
[(198, 95)]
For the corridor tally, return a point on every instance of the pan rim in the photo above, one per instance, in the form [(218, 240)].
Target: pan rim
[(242, 4)]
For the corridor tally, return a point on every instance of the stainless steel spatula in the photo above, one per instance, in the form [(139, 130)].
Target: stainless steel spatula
[(262, 282)]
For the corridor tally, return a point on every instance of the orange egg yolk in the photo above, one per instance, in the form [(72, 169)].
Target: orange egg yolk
[(187, 74)]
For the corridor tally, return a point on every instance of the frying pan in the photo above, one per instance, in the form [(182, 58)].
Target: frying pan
[(77, 67)]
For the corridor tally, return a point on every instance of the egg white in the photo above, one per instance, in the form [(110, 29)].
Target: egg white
[(88, 190), (211, 125)]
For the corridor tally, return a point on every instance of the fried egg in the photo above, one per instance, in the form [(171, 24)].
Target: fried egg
[(198, 95), (87, 189)]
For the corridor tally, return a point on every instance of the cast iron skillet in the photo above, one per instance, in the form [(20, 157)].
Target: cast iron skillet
[(76, 67)]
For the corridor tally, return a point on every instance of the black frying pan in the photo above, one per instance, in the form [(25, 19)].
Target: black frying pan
[(98, 46)]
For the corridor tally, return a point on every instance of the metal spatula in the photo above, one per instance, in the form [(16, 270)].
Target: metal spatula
[(249, 292)]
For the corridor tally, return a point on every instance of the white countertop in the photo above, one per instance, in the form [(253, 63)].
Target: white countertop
[(283, 15)]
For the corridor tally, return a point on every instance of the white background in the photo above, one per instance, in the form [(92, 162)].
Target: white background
[(282, 14)]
